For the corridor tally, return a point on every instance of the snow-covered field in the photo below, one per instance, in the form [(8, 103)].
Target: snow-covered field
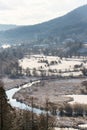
[(53, 65), (82, 99)]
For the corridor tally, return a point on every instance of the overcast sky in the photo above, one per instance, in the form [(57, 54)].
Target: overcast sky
[(26, 12)]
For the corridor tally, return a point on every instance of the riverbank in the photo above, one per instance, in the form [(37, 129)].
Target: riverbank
[(54, 90), (10, 83)]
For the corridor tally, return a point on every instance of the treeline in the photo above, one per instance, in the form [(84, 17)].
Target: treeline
[(15, 119), (73, 110), (9, 62)]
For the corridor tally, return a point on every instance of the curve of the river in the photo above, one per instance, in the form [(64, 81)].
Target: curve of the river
[(17, 104)]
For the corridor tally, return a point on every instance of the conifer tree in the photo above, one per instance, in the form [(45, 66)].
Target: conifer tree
[(5, 110)]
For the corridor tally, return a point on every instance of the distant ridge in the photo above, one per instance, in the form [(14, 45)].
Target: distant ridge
[(4, 27), (72, 25)]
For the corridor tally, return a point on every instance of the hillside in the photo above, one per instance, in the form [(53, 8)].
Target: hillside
[(70, 26), (4, 27)]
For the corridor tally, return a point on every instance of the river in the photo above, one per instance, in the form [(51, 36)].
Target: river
[(15, 103)]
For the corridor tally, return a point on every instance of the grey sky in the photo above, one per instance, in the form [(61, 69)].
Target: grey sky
[(35, 11)]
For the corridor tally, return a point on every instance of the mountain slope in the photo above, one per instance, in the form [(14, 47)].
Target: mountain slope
[(4, 27), (72, 25)]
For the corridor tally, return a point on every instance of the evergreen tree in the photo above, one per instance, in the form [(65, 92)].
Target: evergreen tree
[(5, 110)]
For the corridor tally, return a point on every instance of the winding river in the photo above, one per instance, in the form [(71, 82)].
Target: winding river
[(17, 104)]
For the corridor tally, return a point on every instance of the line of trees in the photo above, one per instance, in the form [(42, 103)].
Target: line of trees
[(74, 110)]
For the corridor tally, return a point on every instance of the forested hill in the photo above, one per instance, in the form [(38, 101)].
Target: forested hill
[(4, 27), (72, 25)]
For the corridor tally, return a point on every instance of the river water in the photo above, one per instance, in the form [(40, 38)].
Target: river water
[(15, 103)]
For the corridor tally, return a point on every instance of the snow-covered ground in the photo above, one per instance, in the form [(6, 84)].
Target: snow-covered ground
[(83, 126), (82, 99), (56, 128), (53, 65), (4, 46)]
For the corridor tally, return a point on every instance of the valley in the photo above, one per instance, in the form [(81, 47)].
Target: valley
[(59, 77), (43, 74)]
